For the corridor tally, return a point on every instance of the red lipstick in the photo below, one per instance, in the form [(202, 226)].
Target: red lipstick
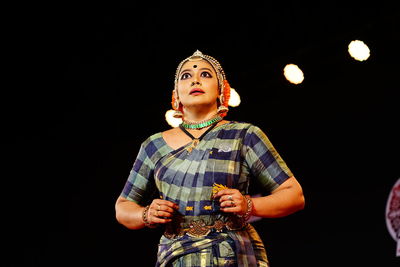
[(196, 91)]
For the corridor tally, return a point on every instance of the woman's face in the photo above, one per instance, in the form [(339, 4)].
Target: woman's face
[(197, 84)]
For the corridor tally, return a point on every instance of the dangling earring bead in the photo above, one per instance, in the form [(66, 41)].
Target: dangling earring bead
[(222, 109), (221, 98), (176, 104), (177, 114)]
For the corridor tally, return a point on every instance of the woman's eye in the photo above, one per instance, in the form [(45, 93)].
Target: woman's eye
[(185, 76), (206, 74)]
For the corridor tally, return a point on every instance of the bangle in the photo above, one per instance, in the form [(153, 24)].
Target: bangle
[(247, 215), (145, 219)]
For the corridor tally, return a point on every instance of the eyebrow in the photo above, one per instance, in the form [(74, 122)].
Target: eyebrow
[(199, 69)]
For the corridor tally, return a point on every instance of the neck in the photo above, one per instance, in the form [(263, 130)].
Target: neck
[(199, 113)]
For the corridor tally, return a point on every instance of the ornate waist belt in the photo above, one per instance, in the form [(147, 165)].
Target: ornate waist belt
[(198, 227)]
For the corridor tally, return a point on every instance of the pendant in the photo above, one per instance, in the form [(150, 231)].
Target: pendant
[(194, 143)]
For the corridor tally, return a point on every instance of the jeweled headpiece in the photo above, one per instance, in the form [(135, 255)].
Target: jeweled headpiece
[(223, 84), (200, 56)]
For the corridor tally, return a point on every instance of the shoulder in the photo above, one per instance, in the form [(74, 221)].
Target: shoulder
[(170, 132), (153, 142), (238, 130), (241, 126), (151, 138), (249, 132), (172, 136), (154, 147)]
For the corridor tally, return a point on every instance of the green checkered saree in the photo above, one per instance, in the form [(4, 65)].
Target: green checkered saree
[(232, 155)]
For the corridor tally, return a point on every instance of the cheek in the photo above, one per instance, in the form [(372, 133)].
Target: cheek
[(182, 87), (214, 87)]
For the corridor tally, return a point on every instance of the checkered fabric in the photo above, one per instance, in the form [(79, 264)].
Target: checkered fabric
[(232, 155)]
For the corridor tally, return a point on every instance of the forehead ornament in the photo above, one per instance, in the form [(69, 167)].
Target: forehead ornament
[(197, 56)]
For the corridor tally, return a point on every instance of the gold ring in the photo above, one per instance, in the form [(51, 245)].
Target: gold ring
[(233, 203), (230, 197), (156, 213), (158, 207)]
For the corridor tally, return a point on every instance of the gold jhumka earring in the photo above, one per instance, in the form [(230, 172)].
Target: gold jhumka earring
[(222, 109), (176, 105)]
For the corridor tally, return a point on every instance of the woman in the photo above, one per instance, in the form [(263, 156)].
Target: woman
[(201, 172)]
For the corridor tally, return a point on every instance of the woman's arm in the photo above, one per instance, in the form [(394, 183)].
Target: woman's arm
[(284, 200), (130, 214)]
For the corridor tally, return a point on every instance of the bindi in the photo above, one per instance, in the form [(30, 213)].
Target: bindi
[(194, 66)]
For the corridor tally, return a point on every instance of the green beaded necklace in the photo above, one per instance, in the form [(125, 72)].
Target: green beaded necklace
[(202, 124)]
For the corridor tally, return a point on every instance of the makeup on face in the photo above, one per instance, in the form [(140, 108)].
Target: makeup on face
[(198, 78), (196, 91)]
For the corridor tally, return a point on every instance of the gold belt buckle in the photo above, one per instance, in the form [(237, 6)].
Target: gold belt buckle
[(198, 228)]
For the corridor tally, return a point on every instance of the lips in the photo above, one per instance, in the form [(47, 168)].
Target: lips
[(196, 91)]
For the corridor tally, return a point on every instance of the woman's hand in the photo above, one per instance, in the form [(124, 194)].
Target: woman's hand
[(231, 200), (161, 211)]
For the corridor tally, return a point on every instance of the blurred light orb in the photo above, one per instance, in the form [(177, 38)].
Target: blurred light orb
[(234, 99), (293, 74), (359, 50), (169, 117)]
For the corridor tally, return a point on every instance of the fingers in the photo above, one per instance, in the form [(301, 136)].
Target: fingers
[(164, 203), (160, 216), (228, 195), (161, 211), (231, 200), (234, 203), (225, 192)]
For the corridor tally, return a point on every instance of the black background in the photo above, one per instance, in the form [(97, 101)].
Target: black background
[(89, 82)]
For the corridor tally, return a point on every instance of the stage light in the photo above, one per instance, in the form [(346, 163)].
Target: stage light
[(173, 122), (358, 50), (234, 99), (293, 73)]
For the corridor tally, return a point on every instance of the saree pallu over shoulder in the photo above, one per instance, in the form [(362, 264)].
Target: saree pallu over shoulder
[(140, 183)]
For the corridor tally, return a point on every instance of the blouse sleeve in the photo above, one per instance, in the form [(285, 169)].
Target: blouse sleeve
[(264, 161), (140, 185)]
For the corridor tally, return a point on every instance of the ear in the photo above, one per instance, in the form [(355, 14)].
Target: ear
[(175, 92)]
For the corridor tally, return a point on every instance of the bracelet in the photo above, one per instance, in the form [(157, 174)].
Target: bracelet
[(247, 215), (145, 219)]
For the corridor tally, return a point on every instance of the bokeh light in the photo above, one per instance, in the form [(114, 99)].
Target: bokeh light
[(169, 117), (293, 73), (234, 99), (358, 50)]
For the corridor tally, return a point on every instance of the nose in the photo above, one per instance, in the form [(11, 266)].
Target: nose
[(195, 83), (196, 77)]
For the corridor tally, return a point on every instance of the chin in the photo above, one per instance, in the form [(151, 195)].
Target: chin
[(200, 103)]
